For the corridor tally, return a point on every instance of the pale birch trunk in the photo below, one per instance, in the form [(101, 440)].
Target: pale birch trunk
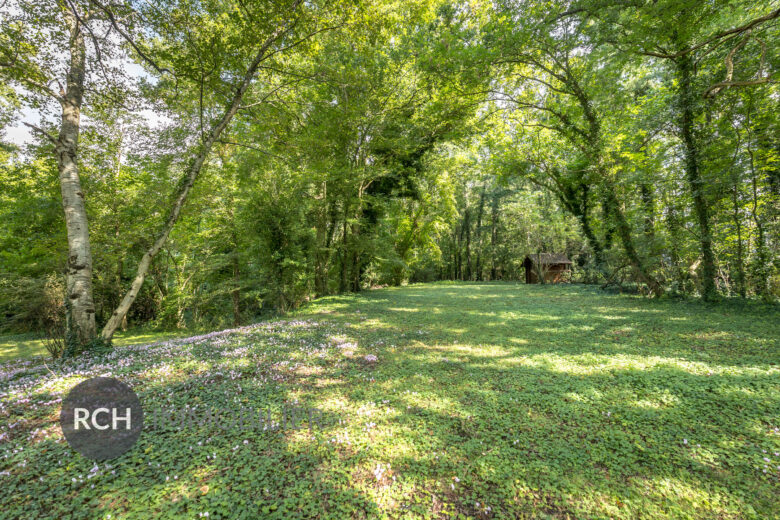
[(80, 306)]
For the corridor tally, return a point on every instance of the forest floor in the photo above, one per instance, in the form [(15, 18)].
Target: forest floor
[(485, 400)]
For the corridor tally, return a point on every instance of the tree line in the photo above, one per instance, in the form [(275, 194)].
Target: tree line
[(200, 163)]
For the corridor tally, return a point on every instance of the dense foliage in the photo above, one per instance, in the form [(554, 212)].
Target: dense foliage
[(230, 162)]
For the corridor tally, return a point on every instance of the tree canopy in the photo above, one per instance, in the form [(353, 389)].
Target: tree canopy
[(199, 163)]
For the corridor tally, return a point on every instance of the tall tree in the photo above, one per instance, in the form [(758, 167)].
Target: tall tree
[(554, 71), (279, 36), (37, 41), (699, 29)]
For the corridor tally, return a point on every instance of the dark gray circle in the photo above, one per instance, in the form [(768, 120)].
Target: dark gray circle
[(101, 418)]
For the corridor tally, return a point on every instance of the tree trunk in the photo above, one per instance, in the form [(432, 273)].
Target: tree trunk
[(609, 227), (740, 268), (593, 242), (467, 228), (235, 292), (344, 255), (675, 239), (693, 176), (761, 265), (493, 236), (581, 209), (355, 261), (458, 256), (326, 253), (480, 210), (649, 206), (762, 261), (320, 251), (80, 307), (624, 232), (189, 180)]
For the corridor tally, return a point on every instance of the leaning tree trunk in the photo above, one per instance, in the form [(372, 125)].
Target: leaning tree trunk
[(695, 182), (580, 208), (80, 307), (611, 204), (593, 242), (187, 182), (624, 232)]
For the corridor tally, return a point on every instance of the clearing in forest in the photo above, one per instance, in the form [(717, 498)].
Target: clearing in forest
[(489, 400)]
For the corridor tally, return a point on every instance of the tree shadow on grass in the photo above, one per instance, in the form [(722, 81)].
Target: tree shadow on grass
[(529, 429), (637, 436), (528, 432), (601, 325)]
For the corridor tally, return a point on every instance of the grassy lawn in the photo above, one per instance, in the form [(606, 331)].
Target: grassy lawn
[(17, 346), (486, 401)]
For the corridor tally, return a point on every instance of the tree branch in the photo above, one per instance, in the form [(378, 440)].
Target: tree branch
[(41, 131), (713, 90), (255, 148), (736, 30), (726, 84), (115, 24)]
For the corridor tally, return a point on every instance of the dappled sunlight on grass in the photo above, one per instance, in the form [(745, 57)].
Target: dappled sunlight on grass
[(400, 309), (28, 345), (551, 409), (20, 346)]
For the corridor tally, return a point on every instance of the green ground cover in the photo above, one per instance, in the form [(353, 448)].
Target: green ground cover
[(23, 346), (485, 401)]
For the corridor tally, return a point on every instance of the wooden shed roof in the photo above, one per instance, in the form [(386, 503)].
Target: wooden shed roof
[(548, 258)]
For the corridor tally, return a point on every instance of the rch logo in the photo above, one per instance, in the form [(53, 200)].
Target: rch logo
[(101, 418), (82, 415)]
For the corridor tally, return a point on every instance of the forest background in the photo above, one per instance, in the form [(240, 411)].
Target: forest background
[(219, 160)]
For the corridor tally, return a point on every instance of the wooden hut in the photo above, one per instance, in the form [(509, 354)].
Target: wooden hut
[(554, 267)]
